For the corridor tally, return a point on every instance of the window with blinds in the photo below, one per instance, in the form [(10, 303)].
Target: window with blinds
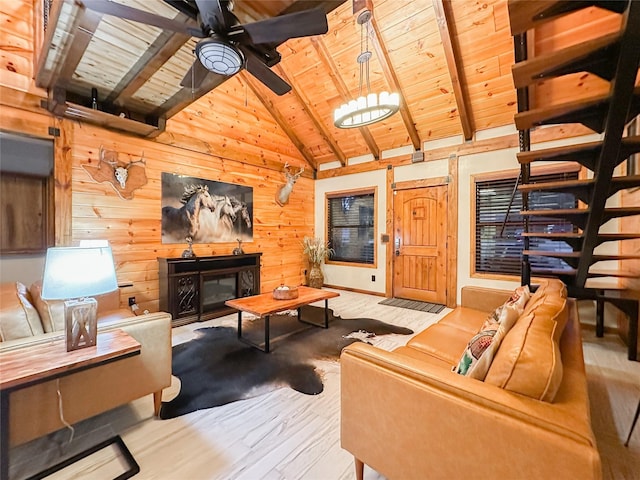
[(499, 244), (351, 227)]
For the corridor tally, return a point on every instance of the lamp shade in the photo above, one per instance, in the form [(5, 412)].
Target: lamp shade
[(75, 272)]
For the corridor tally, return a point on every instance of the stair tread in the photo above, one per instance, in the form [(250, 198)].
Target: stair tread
[(526, 72), (556, 184), (531, 118), (559, 235), (525, 14), (610, 237), (596, 258), (581, 211), (596, 273), (580, 148), (618, 183), (613, 273), (561, 211)]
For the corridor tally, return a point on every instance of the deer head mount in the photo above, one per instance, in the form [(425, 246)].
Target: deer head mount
[(283, 192), (123, 177)]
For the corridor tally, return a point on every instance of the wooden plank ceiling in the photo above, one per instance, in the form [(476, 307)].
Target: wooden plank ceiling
[(449, 61)]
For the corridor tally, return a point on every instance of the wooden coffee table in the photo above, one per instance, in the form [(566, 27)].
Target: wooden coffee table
[(265, 305)]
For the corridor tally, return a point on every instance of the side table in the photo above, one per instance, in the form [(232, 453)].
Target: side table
[(44, 362)]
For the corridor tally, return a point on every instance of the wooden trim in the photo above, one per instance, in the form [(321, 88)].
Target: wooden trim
[(442, 10), (425, 182), (63, 162), (356, 290), (388, 281), (305, 104), (346, 193), (392, 80), (279, 119), (353, 264), (332, 70), (452, 233), (38, 31)]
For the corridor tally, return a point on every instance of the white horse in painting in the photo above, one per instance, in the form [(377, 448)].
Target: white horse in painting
[(215, 225)]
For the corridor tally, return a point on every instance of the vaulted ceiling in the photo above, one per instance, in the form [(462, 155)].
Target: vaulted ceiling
[(450, 61)]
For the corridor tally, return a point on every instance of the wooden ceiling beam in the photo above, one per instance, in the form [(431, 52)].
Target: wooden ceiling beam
[(442, 9), (332, 71), (394, 84), (84, 32), (161, 50), (277, 116), (305, 103), (88, 22)]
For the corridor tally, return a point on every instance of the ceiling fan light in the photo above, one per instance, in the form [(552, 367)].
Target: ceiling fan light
[(219, 57)]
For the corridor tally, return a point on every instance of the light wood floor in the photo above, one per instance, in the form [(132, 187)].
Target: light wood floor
[(288, 435)]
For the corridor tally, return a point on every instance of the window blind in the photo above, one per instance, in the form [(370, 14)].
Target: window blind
[(351, 228), (501, 252)]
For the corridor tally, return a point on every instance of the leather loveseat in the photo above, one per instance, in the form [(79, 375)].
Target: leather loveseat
[(408, 414), (27, 320)]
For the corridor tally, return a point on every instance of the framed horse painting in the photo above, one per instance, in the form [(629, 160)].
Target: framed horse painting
[(205, 210)]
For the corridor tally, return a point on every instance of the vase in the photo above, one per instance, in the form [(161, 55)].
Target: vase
[(316, 278)]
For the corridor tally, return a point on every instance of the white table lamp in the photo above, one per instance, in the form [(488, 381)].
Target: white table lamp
[(74, 274)]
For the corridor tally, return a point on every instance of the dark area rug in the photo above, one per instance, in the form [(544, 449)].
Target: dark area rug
[(413, 305), (215, 368)]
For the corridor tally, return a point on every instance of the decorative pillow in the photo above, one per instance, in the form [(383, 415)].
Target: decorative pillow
[(477, 357), (51, 311), (519, 298)]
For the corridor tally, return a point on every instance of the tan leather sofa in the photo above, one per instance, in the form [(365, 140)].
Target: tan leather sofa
[(407, 415), (34, 410)]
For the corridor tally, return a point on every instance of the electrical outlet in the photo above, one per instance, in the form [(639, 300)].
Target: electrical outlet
[(373, 278), (132, 301)]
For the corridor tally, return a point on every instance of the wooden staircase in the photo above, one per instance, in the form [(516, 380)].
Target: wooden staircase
[(615, 58)]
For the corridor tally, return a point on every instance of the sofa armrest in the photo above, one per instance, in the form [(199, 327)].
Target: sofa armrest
[(422, 413), (484, 299)]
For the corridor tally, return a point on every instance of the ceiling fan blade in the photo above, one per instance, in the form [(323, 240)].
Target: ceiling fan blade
[(216, 14), (196, 75), (263, 73), (140, 16), (282, 28)]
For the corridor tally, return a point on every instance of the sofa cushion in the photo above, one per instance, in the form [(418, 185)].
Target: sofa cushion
[(528, 361), (441, 341), (18, 316), (51, 311), (477, 357), (467, 319)]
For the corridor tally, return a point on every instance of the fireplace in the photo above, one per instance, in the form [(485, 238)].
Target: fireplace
[(215, 289), (194, 289)]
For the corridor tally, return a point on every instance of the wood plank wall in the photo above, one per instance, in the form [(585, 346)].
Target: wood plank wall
[(246, 151)]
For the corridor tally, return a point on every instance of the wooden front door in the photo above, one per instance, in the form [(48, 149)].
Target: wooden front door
[(420, 244)]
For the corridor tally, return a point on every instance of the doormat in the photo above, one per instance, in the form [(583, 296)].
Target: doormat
[(413, 305)]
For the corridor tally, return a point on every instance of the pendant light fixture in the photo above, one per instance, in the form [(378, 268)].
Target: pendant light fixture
[(369, 108)]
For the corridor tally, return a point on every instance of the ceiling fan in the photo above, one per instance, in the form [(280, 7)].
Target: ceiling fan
[(227, 45)]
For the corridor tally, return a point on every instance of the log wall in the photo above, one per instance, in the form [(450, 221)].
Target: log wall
[(197, 143)]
